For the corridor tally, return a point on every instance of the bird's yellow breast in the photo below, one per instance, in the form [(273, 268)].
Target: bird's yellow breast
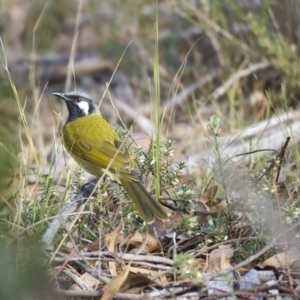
[(85, 137), (91, 129)]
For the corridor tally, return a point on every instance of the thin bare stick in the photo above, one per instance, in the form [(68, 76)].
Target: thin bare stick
[(180, 97), (220, 91), (73, 50)]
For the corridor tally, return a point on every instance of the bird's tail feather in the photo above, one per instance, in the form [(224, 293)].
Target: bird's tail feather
[(146, 205)]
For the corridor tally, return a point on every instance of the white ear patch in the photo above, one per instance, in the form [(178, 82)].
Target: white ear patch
[(84, 106)]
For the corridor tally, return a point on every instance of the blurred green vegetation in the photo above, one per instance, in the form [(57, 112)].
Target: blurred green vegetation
[(223, 34), (9, 160)]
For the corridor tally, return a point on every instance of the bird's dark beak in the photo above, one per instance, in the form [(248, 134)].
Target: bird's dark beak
[(61, 95)]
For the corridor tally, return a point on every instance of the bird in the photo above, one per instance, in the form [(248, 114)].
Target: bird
[(95, 146)]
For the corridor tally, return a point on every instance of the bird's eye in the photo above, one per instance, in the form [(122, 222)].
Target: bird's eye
[(77, 100)]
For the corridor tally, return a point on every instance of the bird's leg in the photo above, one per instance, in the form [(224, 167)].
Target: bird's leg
[(87, 189)]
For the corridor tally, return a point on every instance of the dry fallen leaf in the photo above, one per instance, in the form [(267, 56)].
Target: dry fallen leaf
[(152, 243), (282, 260), (136, 280), (114, 286), (142, 271), (135, 241), (94, 246), (89, 280), (111, 247), (219, 259)]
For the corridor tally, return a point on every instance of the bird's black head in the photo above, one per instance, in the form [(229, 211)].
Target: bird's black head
[(79, 104)]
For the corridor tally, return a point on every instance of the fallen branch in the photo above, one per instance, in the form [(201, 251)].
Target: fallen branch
[(220, 91), (271, 133)]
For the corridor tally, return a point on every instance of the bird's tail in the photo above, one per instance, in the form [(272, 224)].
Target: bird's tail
[(146, 205)]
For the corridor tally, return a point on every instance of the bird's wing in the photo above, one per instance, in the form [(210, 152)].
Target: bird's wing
[(105, 154)]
